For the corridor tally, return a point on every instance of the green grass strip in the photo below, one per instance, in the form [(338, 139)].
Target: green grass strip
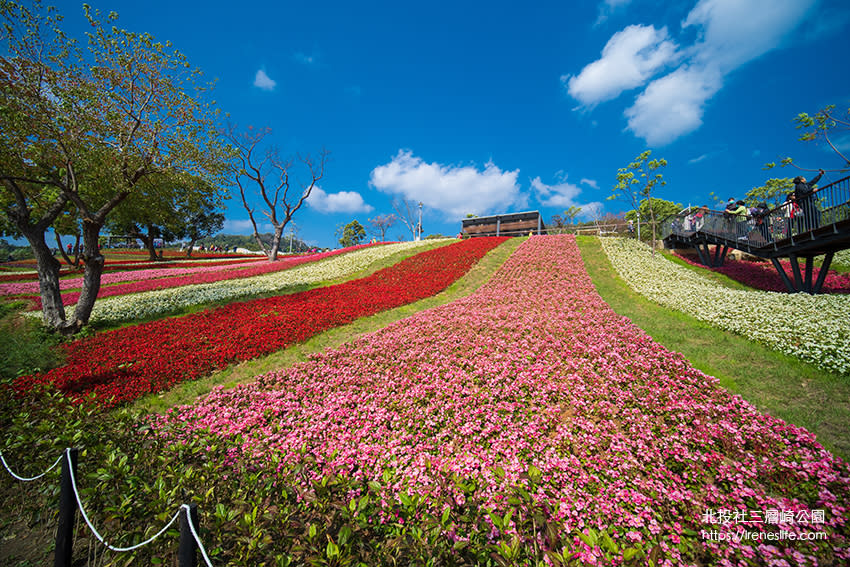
[(777, 384), (187, 392)]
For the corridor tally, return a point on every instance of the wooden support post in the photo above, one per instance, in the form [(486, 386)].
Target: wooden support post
[(795, 267), (703, 254), (783, 275), (827, 260), (63, 552), (187, 555), (807, 284)]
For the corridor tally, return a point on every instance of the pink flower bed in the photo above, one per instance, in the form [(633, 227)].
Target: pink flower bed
[(200, 278), (763, 276), (535, 371), (133, 275)]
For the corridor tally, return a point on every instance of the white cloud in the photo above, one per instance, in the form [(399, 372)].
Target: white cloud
[(698, 159), (590, 182), (672, 106), (455, 190), (630, 58), (729, 34), (263, 81), (734, 32), (342, 202), (562, 195)]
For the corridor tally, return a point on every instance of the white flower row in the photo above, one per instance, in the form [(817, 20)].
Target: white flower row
[(145, 304), (815, 328)]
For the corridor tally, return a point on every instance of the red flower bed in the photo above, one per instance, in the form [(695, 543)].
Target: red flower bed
[(122, 365), (763, 276), (71, 298)]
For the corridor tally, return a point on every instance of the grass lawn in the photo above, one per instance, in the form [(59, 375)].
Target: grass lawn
[(775, 383)]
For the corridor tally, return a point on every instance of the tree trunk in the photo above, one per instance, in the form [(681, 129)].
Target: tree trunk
[(278, 232), (191, 247), (149, 244), (261, 244), (53, 312), (91, 277)]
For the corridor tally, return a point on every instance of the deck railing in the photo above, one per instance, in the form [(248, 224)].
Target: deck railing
[(826, 207)]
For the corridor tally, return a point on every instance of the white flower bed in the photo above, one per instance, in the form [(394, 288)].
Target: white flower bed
[(815, 328), (145, 304)]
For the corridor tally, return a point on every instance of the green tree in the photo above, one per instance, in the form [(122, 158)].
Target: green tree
[(660, 210), (773, 192), (825, 125), (352, 234), (571, 214), (87, 128), (636, 182)]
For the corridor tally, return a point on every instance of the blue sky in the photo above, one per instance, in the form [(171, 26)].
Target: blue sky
[(490, 107)]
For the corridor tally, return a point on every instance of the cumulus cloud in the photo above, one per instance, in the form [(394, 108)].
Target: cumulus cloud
[(454, 190), (263, 81), (672, 105), (729, 34), (734, 32), (562, 195), (630, 58), (341, 202)]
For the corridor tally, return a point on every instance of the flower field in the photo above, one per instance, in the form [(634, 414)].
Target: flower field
[(124, 364), (814, 328), (763, 276), (147, 303), (152, 280), (527, 419)]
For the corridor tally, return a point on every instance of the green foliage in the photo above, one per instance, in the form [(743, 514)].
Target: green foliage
[(636, 183), (352, 234), (8, 250), (827, 126), (773, 192), (660, 210), (26, 347)]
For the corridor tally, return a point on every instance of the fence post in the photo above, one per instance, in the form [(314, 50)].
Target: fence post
[(186, 555), (67, 511)]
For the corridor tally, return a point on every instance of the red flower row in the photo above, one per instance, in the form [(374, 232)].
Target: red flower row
[(116, 266), (125, 364), (71, 298), (762, 275)]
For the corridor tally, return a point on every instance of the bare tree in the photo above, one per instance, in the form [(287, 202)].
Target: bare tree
[(251, 169), (406, 213), (379, 225)]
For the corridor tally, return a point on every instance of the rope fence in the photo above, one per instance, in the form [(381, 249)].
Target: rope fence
[(70, 502)]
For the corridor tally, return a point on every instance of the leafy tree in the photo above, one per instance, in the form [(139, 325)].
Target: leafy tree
[(87, 129), (660, 210), (773, 192), (826, 125), (637, 181), (249, 168), (571, 214), (380, 224), (352, 234)]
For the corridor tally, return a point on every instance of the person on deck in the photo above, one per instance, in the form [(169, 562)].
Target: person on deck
[(804, 192)]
